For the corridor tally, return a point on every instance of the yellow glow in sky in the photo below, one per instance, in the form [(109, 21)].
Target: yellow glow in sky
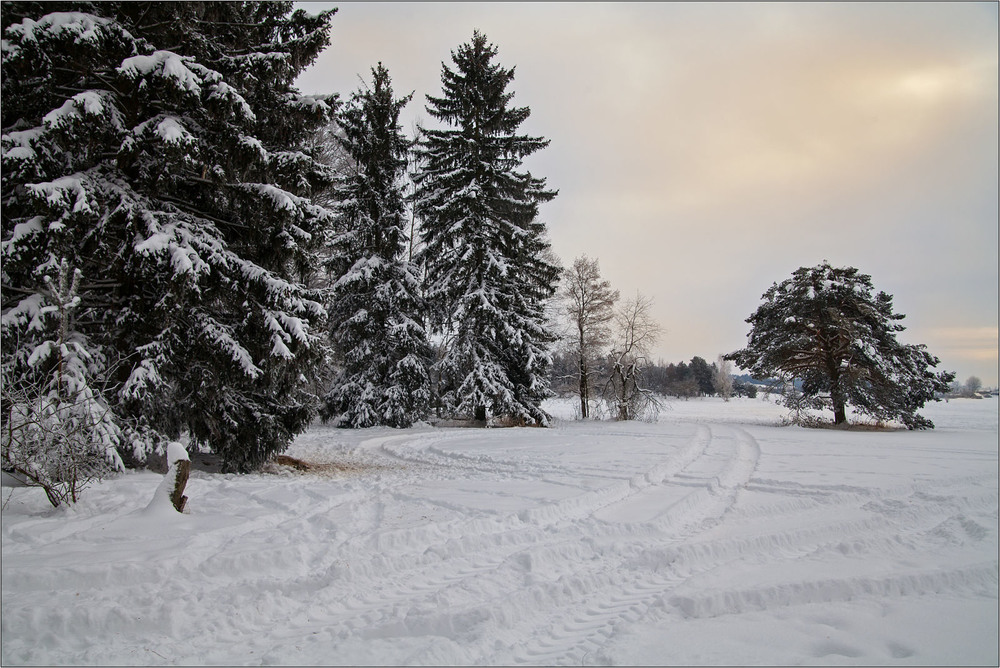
[(706, 150)]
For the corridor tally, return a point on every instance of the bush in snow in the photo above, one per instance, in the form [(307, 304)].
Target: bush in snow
[(58, 431), (158, 147), (723, 378)]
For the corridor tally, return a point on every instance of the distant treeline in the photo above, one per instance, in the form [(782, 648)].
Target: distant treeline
[(695, 378)]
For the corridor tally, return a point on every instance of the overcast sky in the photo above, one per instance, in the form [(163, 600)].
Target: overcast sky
[(703, 152)]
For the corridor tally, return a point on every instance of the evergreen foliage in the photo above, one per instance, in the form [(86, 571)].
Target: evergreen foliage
[(488, 272), (375, 306), (824, 326), (156, 147), (704, 375)]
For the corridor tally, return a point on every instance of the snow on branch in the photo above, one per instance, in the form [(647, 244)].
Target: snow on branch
[(282, 200), (81, 26), (222, 337), (313, 103), (186, 75), (176, 241), (144, 376), (19, 145), (28, 312), (92, 103), (170, 130), (284, 329), (66, 192), (220, 90), (178, 70), (20, 233)]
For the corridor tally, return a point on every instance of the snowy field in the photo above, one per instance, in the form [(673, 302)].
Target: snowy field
[(712, 537)]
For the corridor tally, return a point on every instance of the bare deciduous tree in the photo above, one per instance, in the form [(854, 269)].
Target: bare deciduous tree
[(588, 303), (635, 333), (723, 379)]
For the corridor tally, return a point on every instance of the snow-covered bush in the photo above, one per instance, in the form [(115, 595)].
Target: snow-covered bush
[(58, 431)]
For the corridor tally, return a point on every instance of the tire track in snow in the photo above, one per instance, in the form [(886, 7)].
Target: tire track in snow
[(472, 546), (550, 585), (616, 592), (277, 573), (403, 578), (975, 577), (581, 625), (534, 543)]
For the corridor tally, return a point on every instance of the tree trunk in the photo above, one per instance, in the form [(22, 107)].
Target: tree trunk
[(839, 412), (836, 393), (479, 413), (623, 412), (839, 407), (584, 390)]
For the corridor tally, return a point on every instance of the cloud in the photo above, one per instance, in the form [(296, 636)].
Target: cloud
[(753, 117), (705, 150)]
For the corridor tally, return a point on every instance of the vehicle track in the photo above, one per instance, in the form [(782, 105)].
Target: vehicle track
[(544, 585), (582, 601), (482, 554)]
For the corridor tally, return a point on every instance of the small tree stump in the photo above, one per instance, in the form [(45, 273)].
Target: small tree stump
[(180, 482)]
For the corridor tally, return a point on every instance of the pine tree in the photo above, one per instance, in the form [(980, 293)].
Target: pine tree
[(703, 374), (375, 305), (488, 271), (156, 146), (825, 327)]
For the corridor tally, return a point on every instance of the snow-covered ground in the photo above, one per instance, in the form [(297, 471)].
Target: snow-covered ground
[(711, 537)]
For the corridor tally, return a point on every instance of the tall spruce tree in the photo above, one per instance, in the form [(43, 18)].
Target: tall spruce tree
[(156, 148), (488, 272), (375, 306)]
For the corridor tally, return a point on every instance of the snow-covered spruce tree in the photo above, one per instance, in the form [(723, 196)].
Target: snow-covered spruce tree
[(485, 253), (824, 326), (375, 305), (155, 146)]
